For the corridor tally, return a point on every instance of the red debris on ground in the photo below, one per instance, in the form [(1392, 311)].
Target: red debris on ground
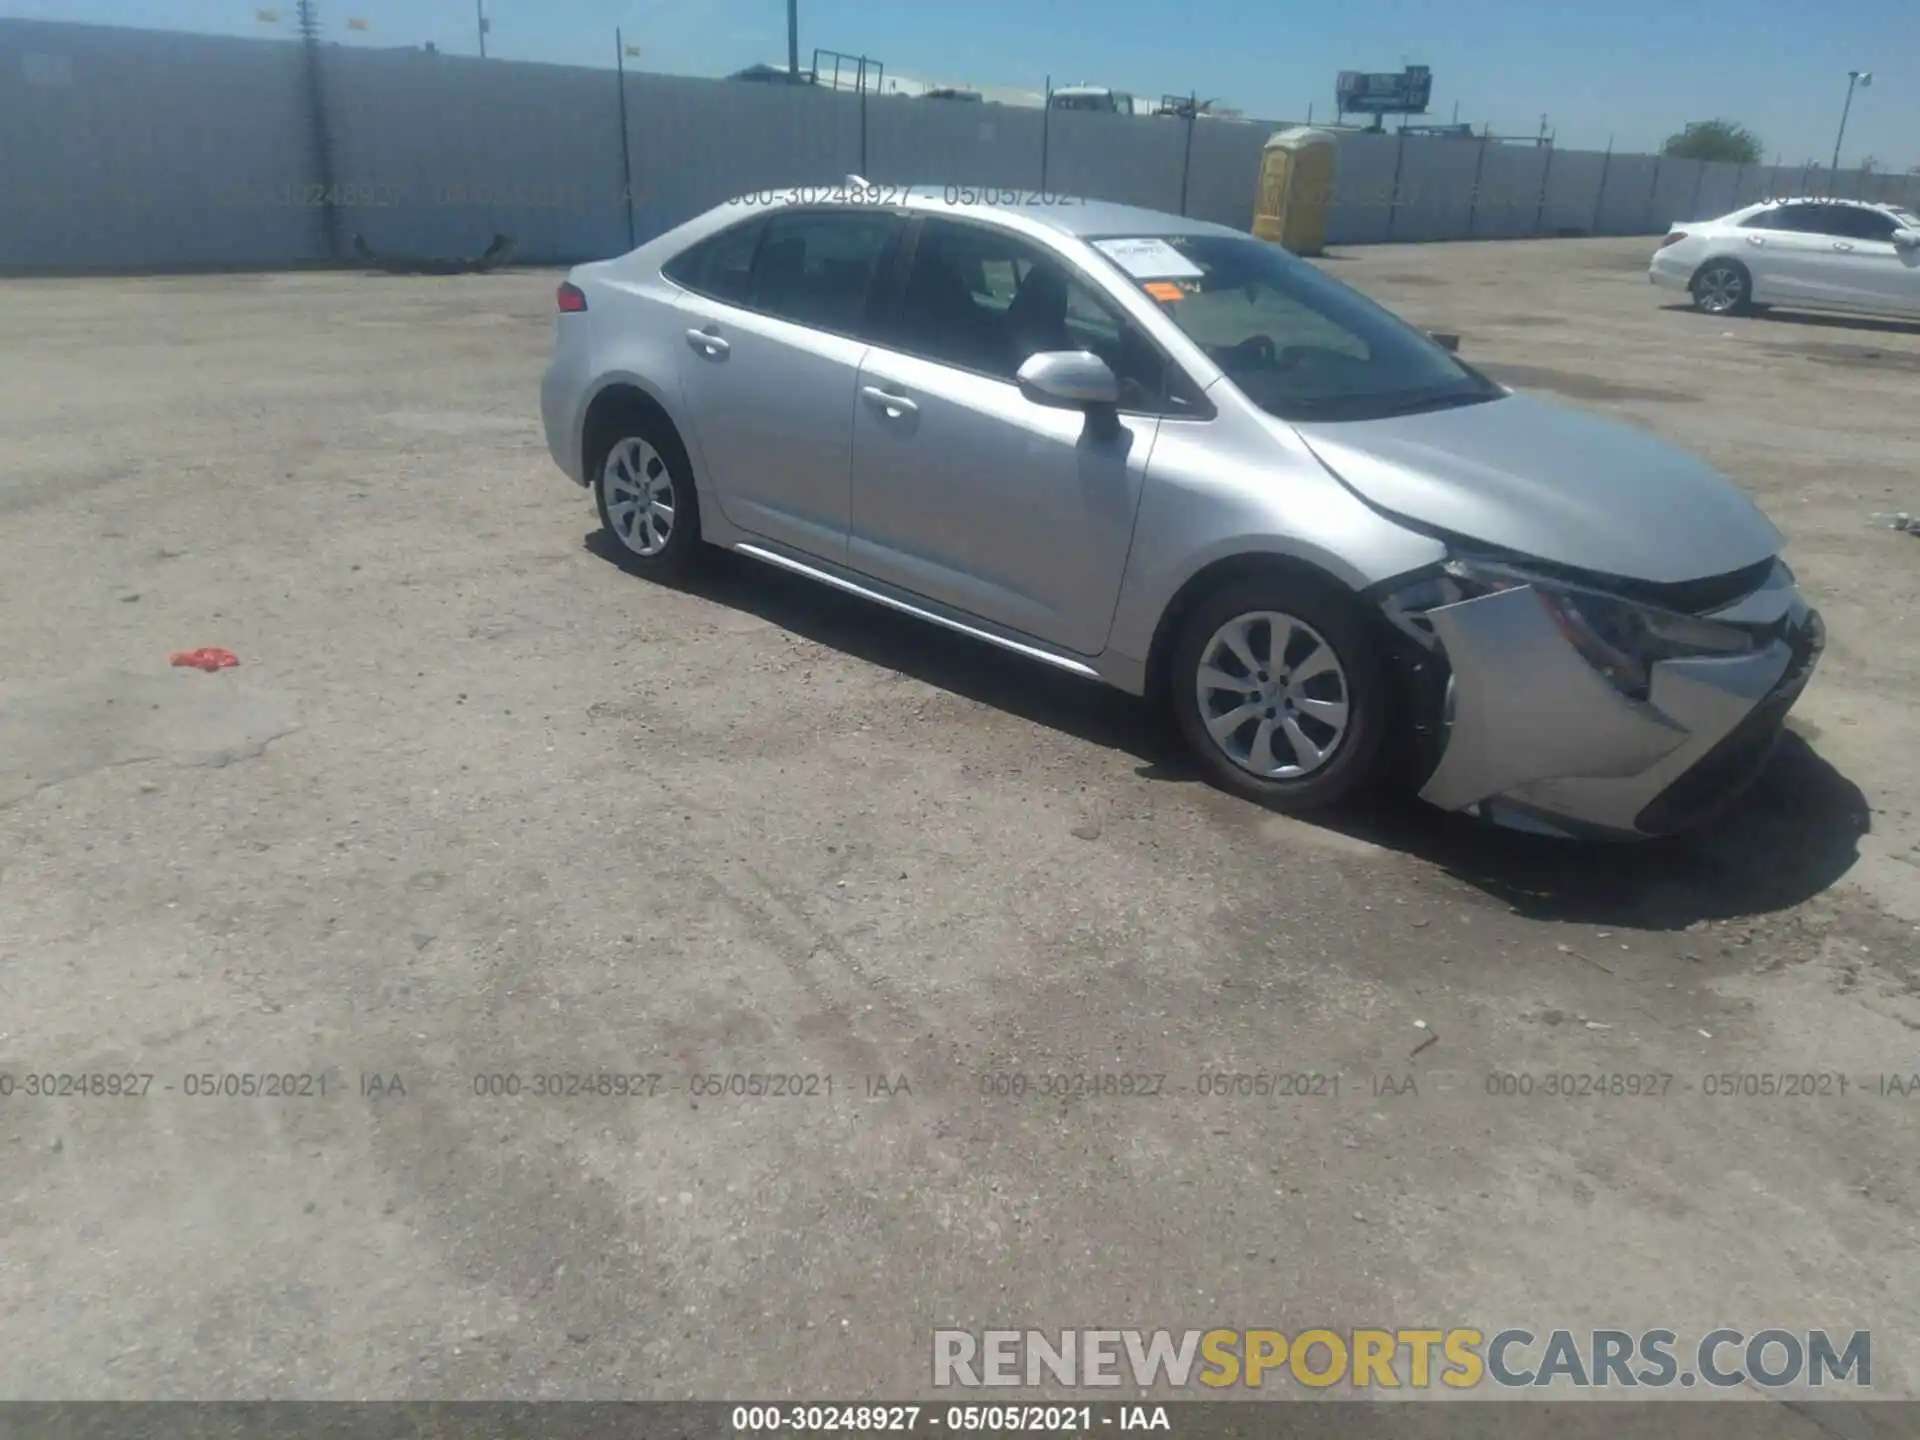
[(210, 658)]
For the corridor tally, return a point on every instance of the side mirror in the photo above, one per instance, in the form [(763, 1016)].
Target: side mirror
[(1907, 239), (1068, 380), (1445, 340)]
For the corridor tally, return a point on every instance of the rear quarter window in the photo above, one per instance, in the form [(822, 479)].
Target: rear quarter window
[(721, 266)]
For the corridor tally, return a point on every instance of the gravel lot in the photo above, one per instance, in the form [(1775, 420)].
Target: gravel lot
[(479, 803)]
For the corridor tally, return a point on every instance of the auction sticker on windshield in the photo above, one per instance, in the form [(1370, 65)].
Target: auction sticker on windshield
[(1149, 259)]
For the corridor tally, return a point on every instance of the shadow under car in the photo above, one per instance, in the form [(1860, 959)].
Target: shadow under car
[(1788, 839), (1815, 319)]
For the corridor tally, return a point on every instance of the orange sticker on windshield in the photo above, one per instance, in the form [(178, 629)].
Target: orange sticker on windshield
[(1162, 290)]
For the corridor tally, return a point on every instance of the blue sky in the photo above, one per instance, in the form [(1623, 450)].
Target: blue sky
[(1634, 70)]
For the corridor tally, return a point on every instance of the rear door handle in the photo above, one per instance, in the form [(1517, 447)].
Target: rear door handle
[(1842, 245), (1756, 240), (893, 405), (707, 343)]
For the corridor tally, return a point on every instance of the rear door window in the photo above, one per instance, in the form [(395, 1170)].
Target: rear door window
[(1801, 218), (1856, 222), (819, 269)]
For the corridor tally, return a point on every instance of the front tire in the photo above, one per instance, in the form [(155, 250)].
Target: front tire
[(1279, 693), (1722, 287), (643, 488)]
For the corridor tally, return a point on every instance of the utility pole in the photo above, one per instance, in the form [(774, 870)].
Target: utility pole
[(322, 142), (793, 41), (1046, 132), (480, 24), (626, 152), (1186, 159), (1862, 78)]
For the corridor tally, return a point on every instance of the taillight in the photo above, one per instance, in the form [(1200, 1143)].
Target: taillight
[(573, 299), (1676, 236)]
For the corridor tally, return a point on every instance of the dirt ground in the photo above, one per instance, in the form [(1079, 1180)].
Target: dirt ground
[(477, 803)]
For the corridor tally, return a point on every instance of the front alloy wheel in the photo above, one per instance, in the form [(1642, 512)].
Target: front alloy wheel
[(1277, 687), (1272, 695)]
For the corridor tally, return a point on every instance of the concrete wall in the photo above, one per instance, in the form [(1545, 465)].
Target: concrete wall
[(1754, 184), (1715, 192), (1671, 198), (1363, 190), (88, 179), (435, 153), (1222, 172), (131, 149), (915, 142), (1507, 201), (1626, 195), (690, 154), (1434, 200), (1893, 189), (1574, 178), (1136, 159)]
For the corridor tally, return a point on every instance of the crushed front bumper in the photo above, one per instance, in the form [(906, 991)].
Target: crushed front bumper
[(1537, 739)]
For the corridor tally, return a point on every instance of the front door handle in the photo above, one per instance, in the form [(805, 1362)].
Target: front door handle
[(894, 406), (1843, 244), (708, 343), (1756, 239)]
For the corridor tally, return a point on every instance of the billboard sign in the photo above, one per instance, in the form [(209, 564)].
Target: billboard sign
[(1405, 93)]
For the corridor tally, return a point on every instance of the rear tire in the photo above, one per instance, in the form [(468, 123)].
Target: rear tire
[(643, 489), (1297, 726), (1722, 287)]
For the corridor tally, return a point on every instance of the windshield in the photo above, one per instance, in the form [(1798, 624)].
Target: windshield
[(1298, 343)]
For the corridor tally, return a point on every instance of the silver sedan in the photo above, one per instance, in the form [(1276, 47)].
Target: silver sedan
[(1169, 457)]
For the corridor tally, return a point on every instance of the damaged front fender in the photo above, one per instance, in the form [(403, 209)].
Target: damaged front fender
[(1527, 707), (1536, 734)]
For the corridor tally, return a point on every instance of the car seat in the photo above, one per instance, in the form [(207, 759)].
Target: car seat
[(778, 272), (1036, 321)]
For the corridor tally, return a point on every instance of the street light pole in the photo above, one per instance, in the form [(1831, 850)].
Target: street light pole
[(1854, 77), (793, 41), (480, 23)]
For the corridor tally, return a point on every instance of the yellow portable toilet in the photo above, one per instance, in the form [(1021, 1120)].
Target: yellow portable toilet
[(1296, 189)]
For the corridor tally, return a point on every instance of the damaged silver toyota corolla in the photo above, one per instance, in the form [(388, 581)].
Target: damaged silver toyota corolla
[(1176, 459)]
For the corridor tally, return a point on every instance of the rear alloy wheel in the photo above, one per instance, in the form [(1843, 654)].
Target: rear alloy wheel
[(1279, 694), (646, 501), (1722, 288)]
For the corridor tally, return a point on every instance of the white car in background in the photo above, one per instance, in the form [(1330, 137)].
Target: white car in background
[(1818, 254)]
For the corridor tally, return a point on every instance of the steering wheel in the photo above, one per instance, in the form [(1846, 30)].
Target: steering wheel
[(1259, 348)]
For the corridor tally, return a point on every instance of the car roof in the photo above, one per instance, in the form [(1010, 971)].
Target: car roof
[(1777, 201), (1070, 215)]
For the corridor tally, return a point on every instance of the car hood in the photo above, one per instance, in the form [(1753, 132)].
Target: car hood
[(1557, 484)]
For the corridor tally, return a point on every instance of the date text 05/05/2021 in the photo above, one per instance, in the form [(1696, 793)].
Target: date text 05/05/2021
[(539, 1082), (899, 194), (880, 1419)]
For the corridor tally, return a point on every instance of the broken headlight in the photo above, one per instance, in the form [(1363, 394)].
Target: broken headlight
[(1622, 639)]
